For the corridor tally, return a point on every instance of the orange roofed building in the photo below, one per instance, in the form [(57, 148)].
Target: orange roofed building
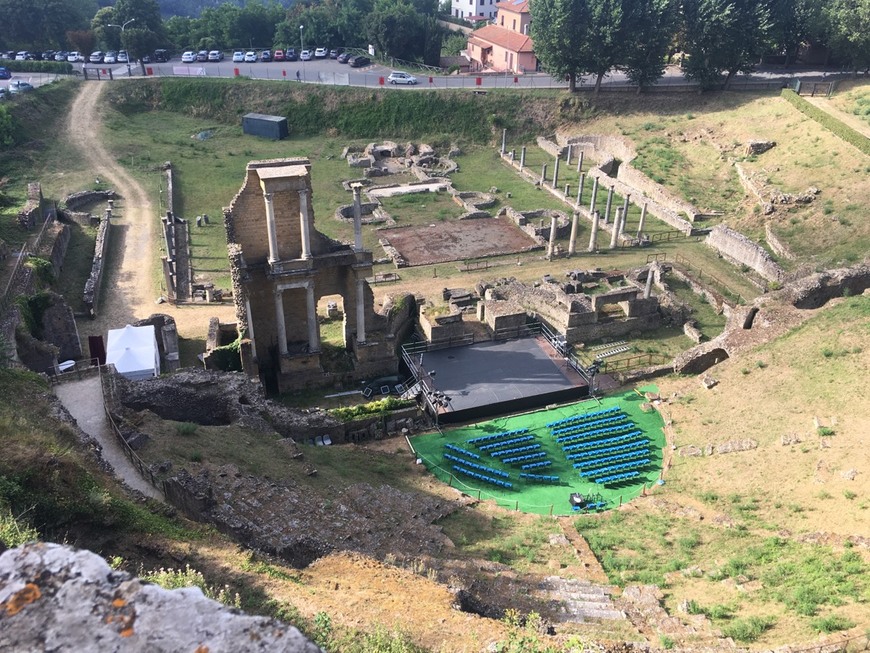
[(506, 45)]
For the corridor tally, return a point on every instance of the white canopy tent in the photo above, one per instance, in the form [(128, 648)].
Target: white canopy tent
[(133, 351)]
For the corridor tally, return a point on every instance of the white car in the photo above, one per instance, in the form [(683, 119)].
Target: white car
[(238, 56), (305, 55), (188, 57), (321, 53), (250, 57), (400, 77), (111, 57), (75, 57), (215, 55), (123, 57)]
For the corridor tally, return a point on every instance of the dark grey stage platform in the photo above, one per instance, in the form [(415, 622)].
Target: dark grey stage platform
[(496, 377)]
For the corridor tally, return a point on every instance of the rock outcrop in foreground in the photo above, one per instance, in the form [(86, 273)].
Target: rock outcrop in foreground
[(55, 598)]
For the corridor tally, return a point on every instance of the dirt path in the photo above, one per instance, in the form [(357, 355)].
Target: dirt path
[(128, 293)]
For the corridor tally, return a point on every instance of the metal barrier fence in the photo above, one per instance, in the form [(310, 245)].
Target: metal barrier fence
[(135, 460)]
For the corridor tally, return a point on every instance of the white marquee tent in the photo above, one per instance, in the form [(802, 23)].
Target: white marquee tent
[(133, 351)]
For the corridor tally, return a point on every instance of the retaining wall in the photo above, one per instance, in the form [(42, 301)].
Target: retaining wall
[(86, 198), (91, 296), (737, 248)]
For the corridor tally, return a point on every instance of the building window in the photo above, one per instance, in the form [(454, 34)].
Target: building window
[(514, 28), (502, 21)]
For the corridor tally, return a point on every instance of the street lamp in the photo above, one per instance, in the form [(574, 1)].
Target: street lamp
[(122, 28), (301, 50)]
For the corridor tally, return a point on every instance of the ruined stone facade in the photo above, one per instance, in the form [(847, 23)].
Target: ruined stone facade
[(281, 266)]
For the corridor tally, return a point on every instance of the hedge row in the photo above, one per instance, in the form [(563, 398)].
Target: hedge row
[(54, 67), (827, 121)]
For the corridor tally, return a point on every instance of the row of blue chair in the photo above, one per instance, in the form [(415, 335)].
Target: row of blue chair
[(537, 465), (634, 445), (584, 416), (607, 419), (622, 437), (496, 436), (525, 458), (621, 467), (506, 443), (482, 477), (481, 468), (510, 452), (598, 433), (461, 451), (616, 478), (549, 478), (589, 507), (586, 465), (590, 428)]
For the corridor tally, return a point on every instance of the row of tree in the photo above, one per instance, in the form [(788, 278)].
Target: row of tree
[(719, 38)]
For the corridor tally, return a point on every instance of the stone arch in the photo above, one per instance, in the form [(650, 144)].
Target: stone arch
[(704, 360), (750, 317)]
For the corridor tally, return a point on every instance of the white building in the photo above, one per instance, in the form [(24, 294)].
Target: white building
[(473, 10)]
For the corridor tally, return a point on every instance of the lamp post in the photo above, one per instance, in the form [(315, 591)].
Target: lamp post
[(301, 50), (122, 28)]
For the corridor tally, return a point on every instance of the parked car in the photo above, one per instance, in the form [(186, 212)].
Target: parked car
[(123, 57), (96, 57), (343, 57), (290, 54), (24, 55), (188, 57), (333, 54), (61, 56), (202, 55), (321, 53), (17, 86), (48, 55), (160, 56), (305, 55), (278, 55), (4, 73), (145, 58), (359, 61), (110, 57), (75, 57), (250, 57), (215, 55), (266, 55), (238, 56), (401, 77)]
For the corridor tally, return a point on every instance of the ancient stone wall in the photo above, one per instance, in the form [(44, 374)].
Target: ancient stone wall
[(32, 215), (59, 329), (737, 248), (86, 198), (550, 147), (91, 295), (779, 248), (55, 241)]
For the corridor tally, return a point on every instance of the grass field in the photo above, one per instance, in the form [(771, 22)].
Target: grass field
[(534, 496)]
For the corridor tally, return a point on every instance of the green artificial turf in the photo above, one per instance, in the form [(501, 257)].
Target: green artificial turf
[(537, 496)]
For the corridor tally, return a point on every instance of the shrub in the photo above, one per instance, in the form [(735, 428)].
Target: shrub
[(185, 428), (825, 431), (380, 407), (55, 67), (188, 577), (827, 121), (832, 623), (749, 629)]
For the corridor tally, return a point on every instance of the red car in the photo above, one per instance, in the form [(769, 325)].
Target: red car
[(278, 55)]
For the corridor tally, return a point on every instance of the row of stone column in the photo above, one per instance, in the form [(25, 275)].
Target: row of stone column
[(272, 229)]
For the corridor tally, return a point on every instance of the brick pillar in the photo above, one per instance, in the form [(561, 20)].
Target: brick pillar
[(313, 333), (360, 312)]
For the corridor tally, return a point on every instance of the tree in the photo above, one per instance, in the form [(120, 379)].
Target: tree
[(37, 24), (723, 36), (558, 31), (652, 24), (848, 24), (606, 32), (792, 23), (139, 42), (82, 40)]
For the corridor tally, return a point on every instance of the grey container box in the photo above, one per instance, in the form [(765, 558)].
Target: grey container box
[(259, 124)]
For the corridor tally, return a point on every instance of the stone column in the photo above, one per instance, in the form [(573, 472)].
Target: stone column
[(503, 140), (279, 321), (570, 153), (609, 203), (543, 173), (594, 194), (303, 223), (360, 311), (250, 325), (552, 238), (580, 161), (567, 191), (271, 229), (523, 157), (614, 235), (357, 218), (556, 173), (647, 291), (625, 202), (593, 239), (511, 156), (580, 188), (110, 208), (313, 334), (642, 219), (572, 244)]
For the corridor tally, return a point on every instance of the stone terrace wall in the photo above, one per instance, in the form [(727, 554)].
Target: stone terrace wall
[(54, 245), (85, 198), (91, 296), (738, 248), (31, 214)]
